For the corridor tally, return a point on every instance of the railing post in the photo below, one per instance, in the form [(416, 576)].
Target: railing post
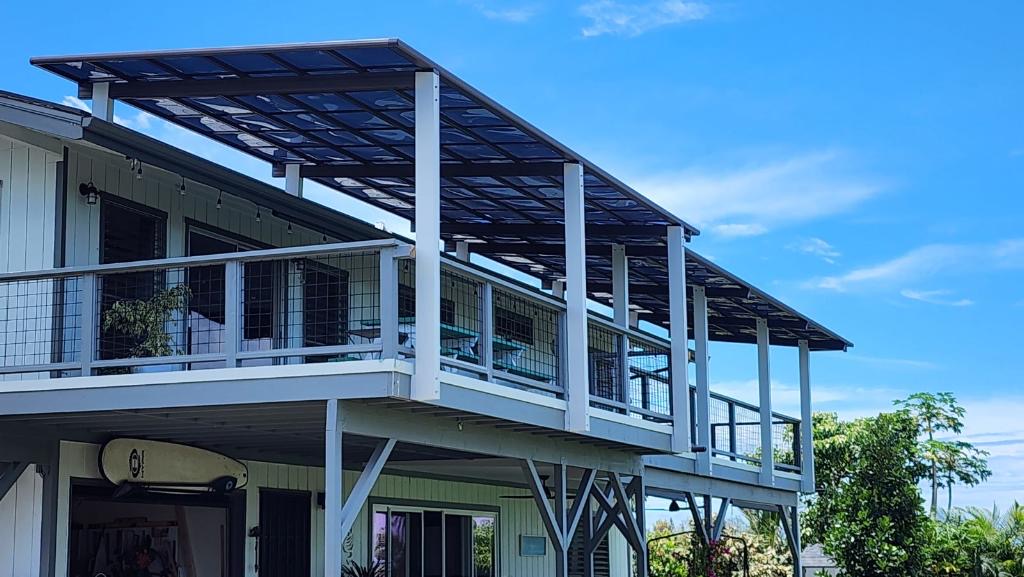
[(700, 339), (680, 351), (232, 314), (765, 404), (577, 384), (426, 382), (732, 430), (806, 421), (487, 330), (295, 325), (388, 303), (90, 322), (624, 370)]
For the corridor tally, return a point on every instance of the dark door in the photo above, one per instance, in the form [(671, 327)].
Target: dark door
[(284, 543)]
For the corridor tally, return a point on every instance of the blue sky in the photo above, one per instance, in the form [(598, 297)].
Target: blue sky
[(862, 161)]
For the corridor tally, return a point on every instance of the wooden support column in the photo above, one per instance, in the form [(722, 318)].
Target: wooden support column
[(367, 479), (765, 404), (790, 518), (576, 359), (703, 397), (807, 480), (680, 350), (334, 496), (426, 382)]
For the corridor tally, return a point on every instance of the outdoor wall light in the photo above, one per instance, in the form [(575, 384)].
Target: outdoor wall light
[(90, 192)]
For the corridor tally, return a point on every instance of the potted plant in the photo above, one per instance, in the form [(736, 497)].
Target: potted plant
[(144, 322)]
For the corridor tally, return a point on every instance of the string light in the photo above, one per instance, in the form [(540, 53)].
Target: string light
[(258, 219), (220, 203), (181, 189), (289, 228)]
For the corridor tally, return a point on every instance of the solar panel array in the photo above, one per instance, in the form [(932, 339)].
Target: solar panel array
[(349, 107)]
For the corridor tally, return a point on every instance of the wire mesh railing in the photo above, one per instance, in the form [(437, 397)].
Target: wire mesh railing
[(736, 434), (277, 306), (629, 372)]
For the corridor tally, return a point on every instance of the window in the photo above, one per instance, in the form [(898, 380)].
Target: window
[(513, 326), (410, 542), (128, 232)]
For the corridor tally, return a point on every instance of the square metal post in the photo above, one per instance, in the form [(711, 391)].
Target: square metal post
[(703, 397), (765, 404), (426, 383), (620, 285), (807, 480), (680, 351), (102, 104), (334, 499), (577, 350), (293, 179)]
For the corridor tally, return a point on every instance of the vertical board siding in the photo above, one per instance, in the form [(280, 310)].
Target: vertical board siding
[(20, 521), (516, 516), (27, 219)]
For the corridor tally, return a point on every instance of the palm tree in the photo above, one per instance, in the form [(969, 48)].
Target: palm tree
[(999, 538)]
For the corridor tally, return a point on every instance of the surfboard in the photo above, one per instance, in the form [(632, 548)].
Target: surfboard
[(162, 464)]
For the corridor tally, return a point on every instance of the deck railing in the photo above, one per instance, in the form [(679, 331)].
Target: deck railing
[(335, 303)]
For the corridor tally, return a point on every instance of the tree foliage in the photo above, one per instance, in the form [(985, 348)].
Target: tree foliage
[(144, 322), (868, 513)]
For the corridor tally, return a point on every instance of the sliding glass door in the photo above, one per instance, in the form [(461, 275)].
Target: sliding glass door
[(411, 542)]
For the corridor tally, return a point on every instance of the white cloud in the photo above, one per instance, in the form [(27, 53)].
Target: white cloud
[(633, 19), (791, 190), (738, 230), (935, 297), (926, 262), (994, 425), (141, 120), (888, 361), (817, 247), (498, 11)]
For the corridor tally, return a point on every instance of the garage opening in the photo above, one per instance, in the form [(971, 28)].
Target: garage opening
[(155, 534)]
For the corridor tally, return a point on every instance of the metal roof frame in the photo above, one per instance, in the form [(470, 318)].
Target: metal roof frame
[(476, 205)]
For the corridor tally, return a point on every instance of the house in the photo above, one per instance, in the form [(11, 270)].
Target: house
[(203, 374)]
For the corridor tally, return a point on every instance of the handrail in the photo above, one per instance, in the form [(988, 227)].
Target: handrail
[(202, 260)]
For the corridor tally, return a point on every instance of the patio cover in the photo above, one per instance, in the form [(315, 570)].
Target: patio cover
[(343, 111)]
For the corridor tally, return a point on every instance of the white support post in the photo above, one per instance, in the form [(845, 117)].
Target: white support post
[(620, 285), (102, 105), (680, 351), (462, 250), (700, 339), (293, 179), (577, 350), (807, 480), (232, 312), (388, 304), (765, 404), (334, 500), (426, 383)]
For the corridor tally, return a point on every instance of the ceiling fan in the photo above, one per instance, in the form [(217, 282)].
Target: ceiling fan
[(549, 492)]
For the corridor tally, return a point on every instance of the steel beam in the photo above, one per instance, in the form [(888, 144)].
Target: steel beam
[(790, 520), (554, 232), (680, 352), (620, 285), (426, 383), (698, 519), (576, 355), (248, 86), (448, 170), (555, 249), (764, 381), (547, 514), (723, 511), (367, 479)]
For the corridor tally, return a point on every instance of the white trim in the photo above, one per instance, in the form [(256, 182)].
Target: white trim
[(576, 369), (632, 421), (477, 385), (679, 346), (209, 375), (426, 382)]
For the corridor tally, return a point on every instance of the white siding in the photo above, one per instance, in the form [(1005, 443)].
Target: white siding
[(516, 517), (27, 206), (20, 518)]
